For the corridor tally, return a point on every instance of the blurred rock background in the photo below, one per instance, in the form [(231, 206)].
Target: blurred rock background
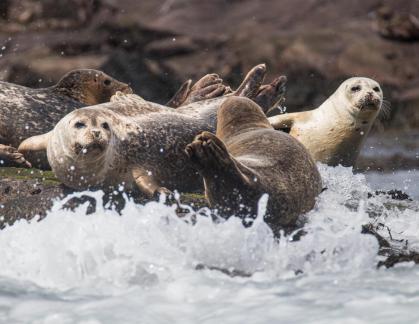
[(156, 45)]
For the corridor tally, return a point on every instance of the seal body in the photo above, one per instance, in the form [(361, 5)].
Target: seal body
[(135, 143), (25, 112), (334, 132), (248, 158), (146, 145)]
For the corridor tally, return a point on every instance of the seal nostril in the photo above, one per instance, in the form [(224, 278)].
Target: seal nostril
[(96, 133)]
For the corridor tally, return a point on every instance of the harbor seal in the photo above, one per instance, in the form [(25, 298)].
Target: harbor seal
[(134, 143), (248, 158), (334, 132), (25, 112)]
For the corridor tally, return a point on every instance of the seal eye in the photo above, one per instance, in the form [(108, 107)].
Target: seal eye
[(79, 125), (355, 88), (105, 126), (376, 89), (107, 82)]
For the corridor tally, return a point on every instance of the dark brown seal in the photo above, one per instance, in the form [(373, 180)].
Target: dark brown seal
[(25, 112), (134, 143), (248, 158)]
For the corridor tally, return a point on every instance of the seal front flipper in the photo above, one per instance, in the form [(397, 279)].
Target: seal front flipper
[(271, 95), (147, 184), (9, 154), (34, 144), (283, 122), (224, 177)]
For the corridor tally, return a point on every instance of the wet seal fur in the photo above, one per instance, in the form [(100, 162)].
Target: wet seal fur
[(135, 143), (248, 158), (25, 112), (334, 132)]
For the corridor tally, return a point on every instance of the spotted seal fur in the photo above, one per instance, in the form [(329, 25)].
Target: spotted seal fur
[(134, 143), (25, 112)]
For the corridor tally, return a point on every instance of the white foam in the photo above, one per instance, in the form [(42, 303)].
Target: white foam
[(140, 267)]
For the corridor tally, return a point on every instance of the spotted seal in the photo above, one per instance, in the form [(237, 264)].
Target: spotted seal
[(247, 158), (25, 112), (135, 143), (334, 132)]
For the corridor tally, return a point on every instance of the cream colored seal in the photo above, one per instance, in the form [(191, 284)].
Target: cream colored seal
[(334, 132)]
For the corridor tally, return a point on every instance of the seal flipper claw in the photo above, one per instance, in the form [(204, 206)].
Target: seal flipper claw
[(211, 157), (269, 95), (9, 154)]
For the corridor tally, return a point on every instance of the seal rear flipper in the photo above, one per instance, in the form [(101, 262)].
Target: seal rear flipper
[(271, 95), (10, 156), (252, 82), (208, 87), (180, 96), (147, 184)]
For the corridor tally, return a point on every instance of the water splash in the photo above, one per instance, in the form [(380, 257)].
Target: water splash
[(140, 266)]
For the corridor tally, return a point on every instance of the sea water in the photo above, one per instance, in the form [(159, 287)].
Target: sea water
[(146, 265)]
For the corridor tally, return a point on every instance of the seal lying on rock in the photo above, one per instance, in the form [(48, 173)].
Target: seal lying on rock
[(25, 112), (334, 132), (248, 158), (133, 142)]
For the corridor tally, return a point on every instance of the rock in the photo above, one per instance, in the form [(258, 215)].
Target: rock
[(396, 26)]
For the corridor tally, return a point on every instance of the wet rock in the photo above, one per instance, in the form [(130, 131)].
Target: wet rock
[(396, 26)]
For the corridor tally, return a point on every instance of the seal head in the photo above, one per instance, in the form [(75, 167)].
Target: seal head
[(247, 159), (83, 141), (363, 95), (90, 87), (335, 132)]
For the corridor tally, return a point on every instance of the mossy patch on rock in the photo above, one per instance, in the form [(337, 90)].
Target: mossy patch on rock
[(45, 177)]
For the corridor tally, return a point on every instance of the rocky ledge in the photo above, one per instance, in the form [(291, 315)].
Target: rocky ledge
[(25, 193)]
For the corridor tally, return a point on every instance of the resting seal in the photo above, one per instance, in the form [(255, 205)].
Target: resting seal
[(248, 158), (25, 112), (334, 132), (136, 143)]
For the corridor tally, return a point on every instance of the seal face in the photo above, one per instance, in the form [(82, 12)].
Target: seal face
[(334, 132), (145, 145), (248, 158), (90, 87), (26, 112), (85, 148)]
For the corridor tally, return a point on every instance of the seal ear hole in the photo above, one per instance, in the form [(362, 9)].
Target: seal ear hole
[(376, 89), (105, 125), (107, 82), (355, 88), (79, 125)]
